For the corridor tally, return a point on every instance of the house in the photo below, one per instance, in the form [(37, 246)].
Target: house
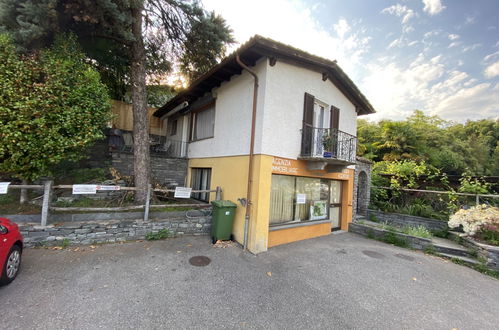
[(275, 127)]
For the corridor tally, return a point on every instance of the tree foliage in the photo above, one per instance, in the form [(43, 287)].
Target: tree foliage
[(450, 147), (52, 105), (175, 32)]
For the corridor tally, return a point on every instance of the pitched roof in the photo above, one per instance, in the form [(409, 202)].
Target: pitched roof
[(256, 48)]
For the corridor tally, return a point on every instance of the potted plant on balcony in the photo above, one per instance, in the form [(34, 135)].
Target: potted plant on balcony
[(327, 143)]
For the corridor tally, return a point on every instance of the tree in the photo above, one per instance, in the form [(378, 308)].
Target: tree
[(128, 39), (52, 106)]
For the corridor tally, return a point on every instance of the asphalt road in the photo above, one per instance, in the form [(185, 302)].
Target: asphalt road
[(341, 281)]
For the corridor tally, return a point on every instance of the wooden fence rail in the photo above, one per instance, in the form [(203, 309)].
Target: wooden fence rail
[(48, 189)]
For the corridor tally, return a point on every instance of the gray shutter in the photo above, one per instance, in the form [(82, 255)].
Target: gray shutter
[(307, 130)]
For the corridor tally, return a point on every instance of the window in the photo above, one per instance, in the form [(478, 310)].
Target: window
[(299, 199), (172, 127), (201, 180), (203, 124)]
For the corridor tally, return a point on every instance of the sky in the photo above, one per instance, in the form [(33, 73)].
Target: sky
[(439, 56)]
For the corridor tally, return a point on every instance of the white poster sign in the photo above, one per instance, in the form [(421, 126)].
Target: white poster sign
[(301, 198), (183, 192), (84, 189), (4, 186), (107, 188)]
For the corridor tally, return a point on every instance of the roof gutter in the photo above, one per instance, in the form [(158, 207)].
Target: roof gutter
[(251, 151)]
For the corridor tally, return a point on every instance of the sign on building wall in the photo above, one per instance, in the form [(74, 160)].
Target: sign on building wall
[(182, 192), (299, 168)]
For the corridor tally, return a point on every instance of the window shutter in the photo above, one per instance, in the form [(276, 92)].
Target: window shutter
[(308, 118), (335, 123), (335, 117)]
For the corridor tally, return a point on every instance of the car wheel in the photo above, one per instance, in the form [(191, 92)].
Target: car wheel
[(12, 265)]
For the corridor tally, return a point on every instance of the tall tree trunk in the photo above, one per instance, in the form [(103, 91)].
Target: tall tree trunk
[(24, 193), (141, 159)]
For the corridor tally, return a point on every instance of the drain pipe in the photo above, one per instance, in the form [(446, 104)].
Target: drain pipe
[(251, 152)]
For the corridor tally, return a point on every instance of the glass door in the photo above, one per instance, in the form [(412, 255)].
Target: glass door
[(335, 204), (320, 126)]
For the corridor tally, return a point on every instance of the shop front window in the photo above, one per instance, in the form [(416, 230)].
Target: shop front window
[(299, 199)]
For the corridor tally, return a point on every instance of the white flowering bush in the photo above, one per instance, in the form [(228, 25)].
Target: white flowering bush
[(476, 219)]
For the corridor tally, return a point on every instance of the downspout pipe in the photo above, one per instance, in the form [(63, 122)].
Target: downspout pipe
[(251, 151)]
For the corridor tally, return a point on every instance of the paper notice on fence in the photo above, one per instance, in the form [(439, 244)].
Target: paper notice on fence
[(84, 189), (183, 192), (107, 188), (4, 186), (301, 198)]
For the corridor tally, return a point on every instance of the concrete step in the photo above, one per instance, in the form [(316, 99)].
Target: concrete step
[(448, 247), (466, 260)]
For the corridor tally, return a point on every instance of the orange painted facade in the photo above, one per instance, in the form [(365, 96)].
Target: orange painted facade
[(294, 167)]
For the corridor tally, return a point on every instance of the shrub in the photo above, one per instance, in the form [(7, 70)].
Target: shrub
[(162, 234), (480, 221), (418, 231)]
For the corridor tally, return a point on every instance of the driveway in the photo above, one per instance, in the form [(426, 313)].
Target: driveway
[(341, 281)]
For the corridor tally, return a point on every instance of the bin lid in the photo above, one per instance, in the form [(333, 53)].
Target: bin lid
[(223, 204)]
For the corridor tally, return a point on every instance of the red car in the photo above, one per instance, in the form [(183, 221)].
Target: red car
[(11, 248)]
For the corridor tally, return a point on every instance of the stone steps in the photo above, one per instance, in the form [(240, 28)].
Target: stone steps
[(448, 247), (466, 260)]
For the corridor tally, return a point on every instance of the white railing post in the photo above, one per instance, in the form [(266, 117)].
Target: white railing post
[(218, 195), (47, 195)]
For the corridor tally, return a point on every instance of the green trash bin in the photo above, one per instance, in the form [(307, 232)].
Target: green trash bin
[(223, 220)]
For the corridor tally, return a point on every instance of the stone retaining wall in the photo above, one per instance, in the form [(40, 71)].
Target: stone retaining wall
[(489, 252), (379, 233), (407, 220), (164, 170), (111, 231)]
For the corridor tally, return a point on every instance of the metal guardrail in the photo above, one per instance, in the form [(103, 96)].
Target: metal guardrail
[(322, 142)]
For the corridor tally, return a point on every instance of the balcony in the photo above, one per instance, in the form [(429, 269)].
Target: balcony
[(328, 146), (159, 145)]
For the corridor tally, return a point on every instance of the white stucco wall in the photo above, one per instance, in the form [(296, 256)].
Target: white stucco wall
[(279, 112), (233, 111), (284, 98)]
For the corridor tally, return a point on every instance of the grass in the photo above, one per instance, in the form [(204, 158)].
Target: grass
[(373, 218), (161, 234), (392, 238), (9, 204), (418, 231), (481, 267), (430, 249)]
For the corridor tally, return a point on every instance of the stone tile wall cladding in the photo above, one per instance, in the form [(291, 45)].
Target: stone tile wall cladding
[(417, 243), (362, 186), (407, 220), (111, 231)]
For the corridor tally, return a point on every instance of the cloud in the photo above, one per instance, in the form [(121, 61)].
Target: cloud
[(453, 36), (395, 90), (346, 41), (491, 56), (492, 70), (454, 44), (472, 47), (400, 11), (433, 7), (341, 27)]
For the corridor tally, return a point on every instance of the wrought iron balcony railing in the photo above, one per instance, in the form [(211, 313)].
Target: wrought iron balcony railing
[(328, 143)]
